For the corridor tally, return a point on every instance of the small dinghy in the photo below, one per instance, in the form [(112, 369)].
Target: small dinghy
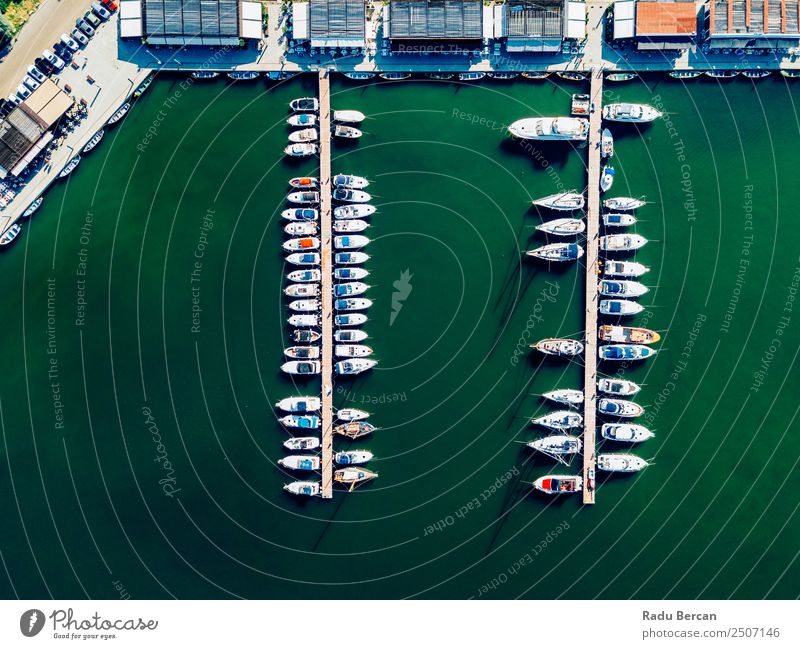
[(302, 214), (620, 76), (572, 76), (348, 181), (301, 150), (562, 227), (560, 420), (71, 165), (119, 114), (755, 74), (634, 335), (347, 132), (301, 290), (306, 336), (631, 113), (303, 198), (557, 252), (607, 144), (535, 75), (304, 182), (353, 211), (352, 304), (349, 336), (304, 104), (354, 429), (620, 307), (304, 320), (299, 404), (302, 443), (304, 306), (354, 457), (622, 242), (440, 76), (304, 135), (395, 76), (557, 446), (348, 116), (559, 484), (349, 319), (307, 352), (301, 229), (350, 242), (353, 477), (630, 433), (626, 288), (300, 462), (721, 74), (351, 414), (620, 387), (345, 258), (503, 75), (563, 202), (351, 196), (606, 178), (565, 396), (620, 463), (619, 408), (306, 243), (204, 74), (350, 273), (613, 268), (302, 368), (624, 203), (355, 366), (91, 144), (559, 347), (625, 352), (302, 488), (359, 76), (243, 75), (471, 76), (302, 119), (352, 351), (352, 225), (790, 74), (618, 220), (33, 207), (685, 74), (350, 289), (305, 275), (9, 235)]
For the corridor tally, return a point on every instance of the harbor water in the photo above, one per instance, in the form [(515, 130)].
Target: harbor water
[(144, 327)]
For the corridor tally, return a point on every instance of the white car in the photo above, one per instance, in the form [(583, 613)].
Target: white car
[(79, 36), (23, 92), (56, 61), (101, 11), (36, 73), (13, 99), (32, 83), (71, 43), (85, 27)]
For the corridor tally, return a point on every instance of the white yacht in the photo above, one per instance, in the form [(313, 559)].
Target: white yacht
[(625, 112), (574, 129)]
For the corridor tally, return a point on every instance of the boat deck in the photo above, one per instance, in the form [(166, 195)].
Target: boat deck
[(327, 282), (592, 244)]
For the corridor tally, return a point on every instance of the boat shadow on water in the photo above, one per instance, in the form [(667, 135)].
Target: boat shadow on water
[(555, 154)]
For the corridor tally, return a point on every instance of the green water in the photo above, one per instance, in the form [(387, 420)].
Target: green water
[(139, 441)]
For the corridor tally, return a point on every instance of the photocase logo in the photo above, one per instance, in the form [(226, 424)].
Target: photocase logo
[(402, 289), (31, 622)]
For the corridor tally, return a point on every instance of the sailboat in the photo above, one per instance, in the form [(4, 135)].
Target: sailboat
[(559, 346), (562, 227), (559, 420), (557, 252), (557, 446), (566, 396), (564, 201), (353, 476)]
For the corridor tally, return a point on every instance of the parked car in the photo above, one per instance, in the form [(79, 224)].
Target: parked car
[(36, 73), (101, 11), (110, 5), (45, 66), (85, 27), (23, 92), (56, 61), (93, 20), (30, 82), (79, 36), (71, 43), (63, 51)]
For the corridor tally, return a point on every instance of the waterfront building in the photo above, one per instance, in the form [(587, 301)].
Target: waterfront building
[(434, 26), (190, 22), (753, 24), (529, 26), (330, 24), (656, 24)]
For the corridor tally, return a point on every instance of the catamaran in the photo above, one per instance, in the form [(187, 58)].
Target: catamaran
[(635, 113), (563, 202), (575, 129), (559, 346)]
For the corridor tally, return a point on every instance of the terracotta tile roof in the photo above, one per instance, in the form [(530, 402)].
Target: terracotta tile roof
[(666, 18)]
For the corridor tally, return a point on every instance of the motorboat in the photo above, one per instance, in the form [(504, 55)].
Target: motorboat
[(535, 75), (503, 75), (567, 397), (300, 462), (471, 76), (755, 74), (304, 306), (619, 387), (721, 74), (306, 336), (620, 307), (619, 408), (440, 76), (634, 335), (9, 235), (349, 335), (70, 167), (354, 457), (563, 202), (304, 352), (299, 150), (303, 488), (353, 476), (302, 367), (91, 144), (559, 484), (556, 446), (354, 366), (351, 414), (621, 288), (557, 252), (306, 243), (614, 268), (621, 242), (243, 75), (791, 74), (204, 74), (304, 135), (305, 275), (304, 320), (349, 289), (618, 220), (301, 421), (624, 203), (560, 420), (620, 76), (352, 304), (304, 104), (299, 404), (119, 113), (631, 433), (344, 258), (348, 181), (620, 462), (33, 207), (346, 132), (606, 144), (349, 116), (302, 290), (685, 74), (559, 346), (301, 229), (606, 178), (352, 351), (633, 113), (575, 129), (352, 225), (302, 119), (349, 319), (572, 76), (350, 242), (302, 443), (303, 198), (304, 182), (354, 429), (562, 227), (353, 211), (350, 273), (302, 214), (395, 76), (625, 352), (351, 195)]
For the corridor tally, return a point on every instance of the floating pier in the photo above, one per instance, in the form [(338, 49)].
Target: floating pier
[(327, 282), (590, 312)]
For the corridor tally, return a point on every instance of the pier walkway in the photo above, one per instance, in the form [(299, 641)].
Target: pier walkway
[(327, 282), (592, 242)]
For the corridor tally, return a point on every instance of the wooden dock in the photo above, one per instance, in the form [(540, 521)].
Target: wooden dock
[(590, 312), (327, 282)]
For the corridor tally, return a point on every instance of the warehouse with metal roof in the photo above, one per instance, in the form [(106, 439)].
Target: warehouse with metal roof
[(330, 23), (434, 20), (534, 26), (753, 23)]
